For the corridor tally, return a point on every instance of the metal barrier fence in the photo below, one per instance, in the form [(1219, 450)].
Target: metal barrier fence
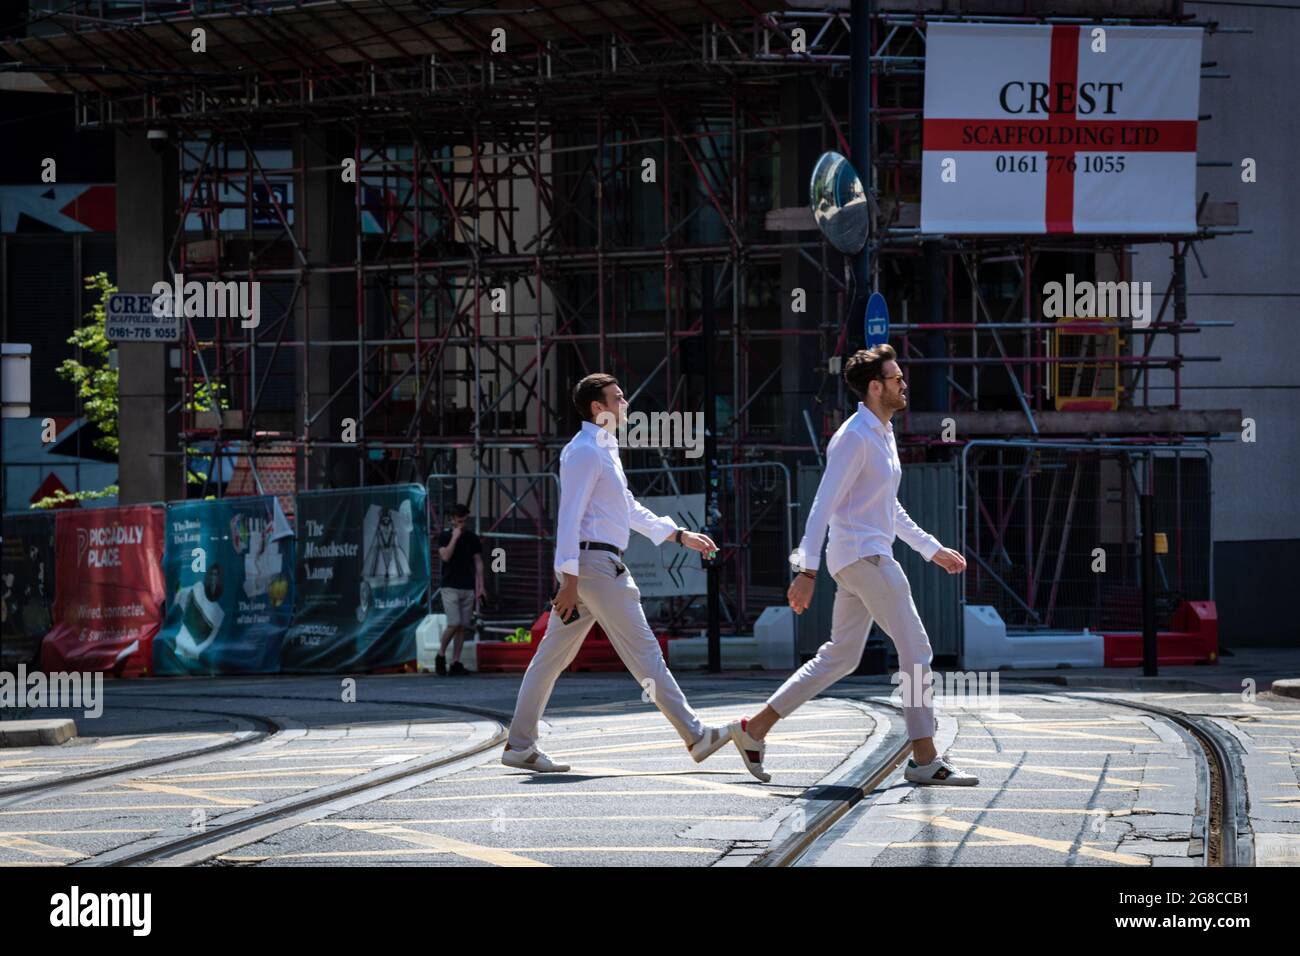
[(1052, 536), (755, 532), (520, 509)]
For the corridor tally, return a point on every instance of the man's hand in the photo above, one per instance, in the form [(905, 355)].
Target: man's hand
[(698, 542), (800, 593), (566, 599), (949, 560), (480, 592)]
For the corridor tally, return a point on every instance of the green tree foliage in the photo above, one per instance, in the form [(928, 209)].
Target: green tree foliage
[(61, 496), (94, 378), (207, 398)]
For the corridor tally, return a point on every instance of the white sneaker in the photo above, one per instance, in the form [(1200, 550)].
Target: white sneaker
[(532, 759), (938, 771), (707, 746), (751, 751)]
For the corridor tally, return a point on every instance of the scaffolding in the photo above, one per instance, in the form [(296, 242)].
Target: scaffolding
[(538, 190)]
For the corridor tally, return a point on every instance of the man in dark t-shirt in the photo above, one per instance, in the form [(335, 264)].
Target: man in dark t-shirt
[(461, 553)]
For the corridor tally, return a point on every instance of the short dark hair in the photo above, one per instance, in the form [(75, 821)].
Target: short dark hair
[(591, 389), (866, 365), (459, 511)]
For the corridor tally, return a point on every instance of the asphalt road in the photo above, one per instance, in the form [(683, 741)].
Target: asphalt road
[(1065, 779)]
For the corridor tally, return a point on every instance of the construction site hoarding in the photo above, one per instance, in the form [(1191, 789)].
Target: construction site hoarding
[(363, 579), (230, 572), (109, 590)]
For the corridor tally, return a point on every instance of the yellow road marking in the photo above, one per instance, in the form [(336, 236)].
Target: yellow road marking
[(326, 854), (17, 863), (679, 743), (5, 833), (1080, 722), (323, 854), (668, 734), (614, 849), (529, 795), (251, 786), (1108, 788), (127, 809), (147, 787), (1069, 773), (612, 706), (121, 743), (405, 753), (1023, 839), (682, 775), (824, 755), (1037, 751), (918, 844), (68, 761), (1047, 735), (283, 772), (443, 820), (34, 848), (441, 844), (1095, 811)]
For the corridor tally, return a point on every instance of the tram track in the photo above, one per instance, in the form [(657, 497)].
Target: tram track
[(847, 792), (35, 790), (1219, 834), (187, 845), (1222, 808), (1220, 824)]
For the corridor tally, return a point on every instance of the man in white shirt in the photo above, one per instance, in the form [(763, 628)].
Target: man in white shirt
[(857, 501), (597, 514)]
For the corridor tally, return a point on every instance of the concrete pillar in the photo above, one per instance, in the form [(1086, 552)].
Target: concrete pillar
[(325, 223), (148, 386)]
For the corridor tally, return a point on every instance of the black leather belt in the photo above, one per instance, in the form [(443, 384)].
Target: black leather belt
[(599, 546)]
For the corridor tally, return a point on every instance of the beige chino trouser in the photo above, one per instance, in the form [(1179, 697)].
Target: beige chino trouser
[(608, 595), (873, 587)]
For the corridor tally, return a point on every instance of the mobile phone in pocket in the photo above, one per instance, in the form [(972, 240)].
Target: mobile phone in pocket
[(573, 616)]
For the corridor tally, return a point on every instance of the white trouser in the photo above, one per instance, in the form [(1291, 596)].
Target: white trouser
[(872, 587), (608, 595)]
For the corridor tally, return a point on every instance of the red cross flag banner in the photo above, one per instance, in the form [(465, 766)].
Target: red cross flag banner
[(1060, 129)]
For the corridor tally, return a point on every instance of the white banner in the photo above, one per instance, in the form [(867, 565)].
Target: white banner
[(668, 570), (1060, 129), (130, 317)]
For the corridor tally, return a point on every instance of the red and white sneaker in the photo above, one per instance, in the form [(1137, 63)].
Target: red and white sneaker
[(706, 746), (938, 771), (532, 759), (751, 751)]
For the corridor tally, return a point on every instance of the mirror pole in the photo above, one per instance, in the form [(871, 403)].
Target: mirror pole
[(860, 144)]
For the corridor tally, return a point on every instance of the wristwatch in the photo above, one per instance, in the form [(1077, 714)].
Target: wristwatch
[(677, 535)]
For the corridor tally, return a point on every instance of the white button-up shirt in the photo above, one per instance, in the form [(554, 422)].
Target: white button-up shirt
[(857, 499), (595, 503)]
